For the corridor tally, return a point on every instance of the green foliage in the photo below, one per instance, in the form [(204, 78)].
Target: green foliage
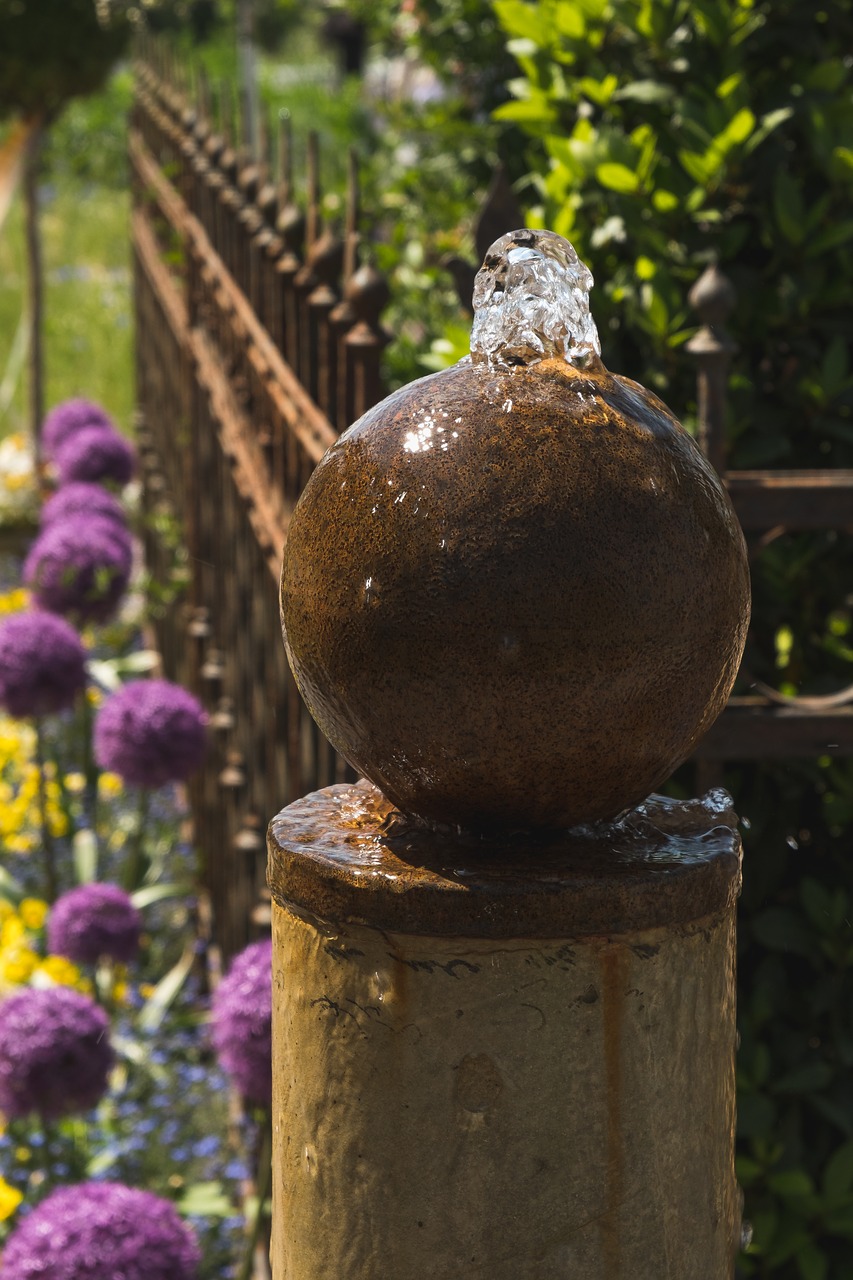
[(663, 136), (88, 143), (432, 160), (55, 50), (668, 134), (88, 333)]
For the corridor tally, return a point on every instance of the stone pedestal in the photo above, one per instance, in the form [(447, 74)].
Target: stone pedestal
[(503, 1059)]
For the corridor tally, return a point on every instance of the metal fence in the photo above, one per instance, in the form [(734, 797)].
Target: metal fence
[(258, 341)]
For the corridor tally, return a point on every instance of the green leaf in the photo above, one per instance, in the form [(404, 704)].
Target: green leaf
[(817, 901), (104, 674), (520, 19), (834, 368), (134, 663), (768, 123), (10, 889), (598, 91), (617, 177), (697, 166), (845, 156), (737, 130), (167, 989), (791, 1183), (644, 91), (838, 1174), (85, 849), (729, 85), (828, 75), (781, 930), (664, 201), (756, 1115), (529, 111), (811, 1262), (205, 1200), (830, 239), (157, 893), (569, 20), (809, 1078), (747, 1170), (100, 1163), (788, 207)]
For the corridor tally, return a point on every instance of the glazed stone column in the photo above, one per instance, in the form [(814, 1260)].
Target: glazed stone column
[(514, 596)]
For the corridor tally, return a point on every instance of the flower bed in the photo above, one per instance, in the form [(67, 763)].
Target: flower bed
[(113, 1087)]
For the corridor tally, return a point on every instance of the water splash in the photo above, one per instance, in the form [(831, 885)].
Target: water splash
[(531, 302)]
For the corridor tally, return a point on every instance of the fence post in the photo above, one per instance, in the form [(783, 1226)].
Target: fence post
[(713, 297), (499, 1069), (504, 1010)]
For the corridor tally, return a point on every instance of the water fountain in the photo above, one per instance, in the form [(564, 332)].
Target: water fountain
[(514, 597)]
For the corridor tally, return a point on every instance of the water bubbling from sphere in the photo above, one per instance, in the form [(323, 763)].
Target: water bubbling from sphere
[(531, 302)]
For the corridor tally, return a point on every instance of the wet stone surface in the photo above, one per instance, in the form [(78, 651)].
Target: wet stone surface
[(345, 853), (515, 593)]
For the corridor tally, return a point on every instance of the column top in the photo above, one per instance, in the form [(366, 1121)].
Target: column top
[(345, 854)]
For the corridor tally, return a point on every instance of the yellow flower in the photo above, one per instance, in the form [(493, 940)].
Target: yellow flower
[(14, 601), (75, 782), (33, 912), (120, 990), (20, 844), (110, 784), (17, 965), (146, 990), (61, 972), (6, 909), (11, 931), (10, 1198)]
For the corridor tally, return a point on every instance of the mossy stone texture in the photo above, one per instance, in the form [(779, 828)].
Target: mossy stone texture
[(515, 597)]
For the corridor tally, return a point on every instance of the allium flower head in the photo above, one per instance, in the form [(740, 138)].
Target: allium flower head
[(66, 418), (55, 1052), (42, 664), (80, 566), (95, 453), (241, 1022), (150, 732), (101, 1231), (83, 498), (94, 920)]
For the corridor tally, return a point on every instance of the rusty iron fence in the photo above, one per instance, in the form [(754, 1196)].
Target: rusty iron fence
[(258, 341)]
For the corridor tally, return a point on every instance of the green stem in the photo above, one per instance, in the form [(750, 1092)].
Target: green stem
[(50, 881), (134, 869), (91, 772), (262, 1190)]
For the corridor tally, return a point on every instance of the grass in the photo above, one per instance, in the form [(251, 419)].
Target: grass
[(88, 338), (88, 333)]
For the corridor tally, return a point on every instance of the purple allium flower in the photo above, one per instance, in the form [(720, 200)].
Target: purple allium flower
[(94, 920), (101, 1231), (241, 1022), (95, 453), (55, 1052), (150, 732), (66, 418), (80, 566), (42, 664), (82, 498)]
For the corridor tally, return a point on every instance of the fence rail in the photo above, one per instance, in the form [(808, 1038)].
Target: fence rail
[(258, 341), (228, 437)]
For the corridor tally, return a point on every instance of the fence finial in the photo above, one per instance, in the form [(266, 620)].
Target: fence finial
[(713, 297)]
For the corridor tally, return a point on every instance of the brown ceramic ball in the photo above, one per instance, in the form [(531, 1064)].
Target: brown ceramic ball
[(515, 598)]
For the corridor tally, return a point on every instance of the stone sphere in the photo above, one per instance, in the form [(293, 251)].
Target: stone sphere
[(515, 597)]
